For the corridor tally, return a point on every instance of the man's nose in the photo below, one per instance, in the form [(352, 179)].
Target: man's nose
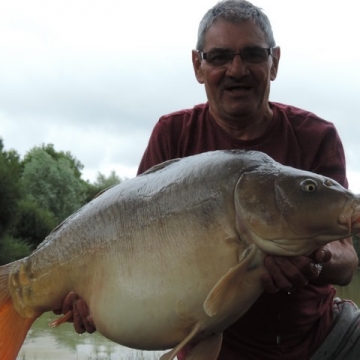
[(237, 67)]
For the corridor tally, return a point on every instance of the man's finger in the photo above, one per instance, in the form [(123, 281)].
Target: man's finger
[(292, 273), (268, 284), (87, 321), (68, 302), (280, 280), (78, 323), (322, 255)]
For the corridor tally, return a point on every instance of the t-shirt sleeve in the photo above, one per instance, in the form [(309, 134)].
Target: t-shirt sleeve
[(330, 157), (157, 150)]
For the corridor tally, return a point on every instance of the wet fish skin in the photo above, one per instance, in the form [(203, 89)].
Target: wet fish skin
[(176, 255)]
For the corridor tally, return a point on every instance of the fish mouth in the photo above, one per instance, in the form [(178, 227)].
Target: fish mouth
[(355, 220), (351, 220)]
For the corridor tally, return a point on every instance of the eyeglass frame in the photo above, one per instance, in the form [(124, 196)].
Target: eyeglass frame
[(270, 51)]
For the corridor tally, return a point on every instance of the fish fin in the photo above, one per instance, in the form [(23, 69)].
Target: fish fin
[(160, 166), (168, 356), (207, 349), (238, 288), (224, 290), (13, 326), (172, 353)]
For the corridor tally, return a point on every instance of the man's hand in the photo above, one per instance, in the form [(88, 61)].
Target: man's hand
[(79, 313), (291, 273)]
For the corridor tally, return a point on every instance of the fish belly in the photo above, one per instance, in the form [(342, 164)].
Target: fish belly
[(154, 304)]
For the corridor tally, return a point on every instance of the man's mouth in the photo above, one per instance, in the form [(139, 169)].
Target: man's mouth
[(238, 89)]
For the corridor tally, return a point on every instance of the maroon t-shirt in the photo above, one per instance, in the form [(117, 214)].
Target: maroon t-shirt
[(277, 326)]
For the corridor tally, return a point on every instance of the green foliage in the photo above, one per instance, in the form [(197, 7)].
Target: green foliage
[(10, 189), (34, 223), (12, 249), (102, 182), (53, 183), (39, 192), (74, 164)]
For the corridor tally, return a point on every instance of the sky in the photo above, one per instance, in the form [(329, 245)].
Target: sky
[(93, 76)]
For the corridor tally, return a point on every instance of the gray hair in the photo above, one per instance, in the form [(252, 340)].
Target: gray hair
[(235, 11)]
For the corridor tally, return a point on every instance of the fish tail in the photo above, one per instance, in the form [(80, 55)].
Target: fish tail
[(13, 326)]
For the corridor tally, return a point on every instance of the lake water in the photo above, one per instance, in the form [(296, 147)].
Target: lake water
[(45, 343)]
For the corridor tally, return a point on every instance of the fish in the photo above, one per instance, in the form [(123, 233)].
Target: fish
[(174, 256)]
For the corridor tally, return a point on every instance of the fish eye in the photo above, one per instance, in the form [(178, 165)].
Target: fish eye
[(308, 185)]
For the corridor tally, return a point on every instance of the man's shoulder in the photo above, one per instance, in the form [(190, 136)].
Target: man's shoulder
[(194, 112), (297, 116)]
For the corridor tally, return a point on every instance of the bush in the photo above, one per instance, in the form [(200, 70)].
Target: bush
[(12, 249), (10, 192), (34, 223)]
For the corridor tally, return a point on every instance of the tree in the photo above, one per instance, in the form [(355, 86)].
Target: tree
[(12, 249), (38, 193), (10, 194), (34, 223), (102, 182), (74, 164), (53, 181), (10, 188)]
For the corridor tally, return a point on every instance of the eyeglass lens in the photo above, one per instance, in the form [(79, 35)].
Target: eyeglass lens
[(251, 55)]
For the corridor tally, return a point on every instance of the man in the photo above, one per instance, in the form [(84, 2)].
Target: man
[(236, 59)]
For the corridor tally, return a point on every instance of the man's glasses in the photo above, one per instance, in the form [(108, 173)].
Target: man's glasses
[(250, 55)]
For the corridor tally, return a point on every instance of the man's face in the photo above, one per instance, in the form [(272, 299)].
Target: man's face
[(238, 88)]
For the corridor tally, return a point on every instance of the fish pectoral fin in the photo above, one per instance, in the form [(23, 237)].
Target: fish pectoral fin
[(171, 354), (206, 349), (225, 290)]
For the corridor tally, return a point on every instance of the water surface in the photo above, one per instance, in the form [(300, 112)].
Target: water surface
[(46, 343)]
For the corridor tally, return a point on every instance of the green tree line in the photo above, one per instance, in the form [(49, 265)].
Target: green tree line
[(37, 193)]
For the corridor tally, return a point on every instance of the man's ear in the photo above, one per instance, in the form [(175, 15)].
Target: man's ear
[(275, 64), (196, 60)]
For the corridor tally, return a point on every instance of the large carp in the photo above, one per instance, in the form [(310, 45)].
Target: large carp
[(175, 255)]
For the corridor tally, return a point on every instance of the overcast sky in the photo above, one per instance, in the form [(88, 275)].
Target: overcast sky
[(93, 77)]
